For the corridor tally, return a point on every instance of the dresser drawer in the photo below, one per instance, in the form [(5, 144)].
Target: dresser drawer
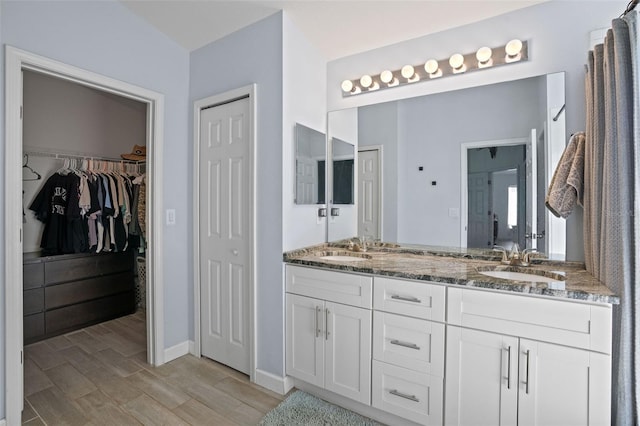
[(339, 287), (32, 301), (414, 396), (32, 275), (33, 327), (568, 323), (408, 342), (416, 299), (89, 289)]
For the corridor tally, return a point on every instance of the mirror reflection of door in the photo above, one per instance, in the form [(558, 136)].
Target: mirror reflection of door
[(496, 190), (369, 202)]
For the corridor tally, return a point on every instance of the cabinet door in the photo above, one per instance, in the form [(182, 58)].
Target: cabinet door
[(305, 339), (348, 351), (562, 385), (482, 378)]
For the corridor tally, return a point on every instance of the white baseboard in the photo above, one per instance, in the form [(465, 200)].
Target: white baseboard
[(277, 384), (3, 422), (176, 351)]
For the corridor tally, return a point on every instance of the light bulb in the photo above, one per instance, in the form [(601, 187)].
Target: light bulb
[(513, 50), (386, 76), (431, 66), (457, 63), (347, 86), (366, 81), (483, 55), (407, 72)]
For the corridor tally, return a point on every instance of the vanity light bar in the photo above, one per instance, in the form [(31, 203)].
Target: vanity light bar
[(512, 52)]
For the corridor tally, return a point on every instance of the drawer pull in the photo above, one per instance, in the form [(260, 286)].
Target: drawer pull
[(404, 395), (406, 299), (405, 344), (316, 324)]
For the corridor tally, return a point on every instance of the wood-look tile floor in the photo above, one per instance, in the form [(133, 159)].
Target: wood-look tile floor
[(99, 376)]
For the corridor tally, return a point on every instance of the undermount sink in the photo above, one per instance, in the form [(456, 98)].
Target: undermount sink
[(343, 256), (522, 274)]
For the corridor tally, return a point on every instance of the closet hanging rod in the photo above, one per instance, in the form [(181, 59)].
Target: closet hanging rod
[(62, 156)]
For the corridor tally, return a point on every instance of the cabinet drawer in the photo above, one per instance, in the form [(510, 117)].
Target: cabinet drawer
[(568, 323), (32, 301), (414, 396), (416, 299), (33, 327), (76, 268), (83, 290), (409, 342), (348, 289), (70, 317), (32, 275)]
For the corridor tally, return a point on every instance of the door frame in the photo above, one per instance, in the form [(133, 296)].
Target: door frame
[(380, 149), (15, 61), (200, 104), (464, 196)]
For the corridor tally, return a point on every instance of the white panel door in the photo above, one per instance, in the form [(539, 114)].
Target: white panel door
[(224, 240), (348, 351), (369, 215), (305, 339), (306, 180), (482, 378), (479, 233), (561, 386)]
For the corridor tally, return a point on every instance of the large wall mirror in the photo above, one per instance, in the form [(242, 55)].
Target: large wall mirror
[(466, 168)]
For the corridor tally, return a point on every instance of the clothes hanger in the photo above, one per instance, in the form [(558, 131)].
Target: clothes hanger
[(26, 165)]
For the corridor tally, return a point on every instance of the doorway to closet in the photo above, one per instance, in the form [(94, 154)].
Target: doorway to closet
[(22, 70)]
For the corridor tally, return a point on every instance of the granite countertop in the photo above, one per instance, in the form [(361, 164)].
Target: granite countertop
[(458, 267)]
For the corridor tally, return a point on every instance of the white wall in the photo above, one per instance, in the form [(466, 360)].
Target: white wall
[(558, 33), (371, 133), (304, 101), (104, 37), (254, 55)]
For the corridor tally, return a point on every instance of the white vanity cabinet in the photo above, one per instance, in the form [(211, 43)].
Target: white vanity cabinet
[(513, 359), (328, 330), (408, 349)]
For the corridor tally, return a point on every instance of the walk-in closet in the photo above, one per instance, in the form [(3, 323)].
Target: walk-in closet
[(84, 209)]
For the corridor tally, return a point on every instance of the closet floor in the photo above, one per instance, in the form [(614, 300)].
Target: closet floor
[(99, 376)]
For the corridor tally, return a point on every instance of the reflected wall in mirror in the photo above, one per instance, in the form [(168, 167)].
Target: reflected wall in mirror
[(424, 193), (342, 156), (310, 165)]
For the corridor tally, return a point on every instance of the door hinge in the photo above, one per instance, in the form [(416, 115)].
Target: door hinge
[(21, 357), (21, 112)]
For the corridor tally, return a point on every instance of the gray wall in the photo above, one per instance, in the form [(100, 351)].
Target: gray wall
[(106, 38), (558, 32), (254, 55)]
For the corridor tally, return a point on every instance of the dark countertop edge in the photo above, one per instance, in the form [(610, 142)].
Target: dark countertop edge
[(38, 257), (489, 285)]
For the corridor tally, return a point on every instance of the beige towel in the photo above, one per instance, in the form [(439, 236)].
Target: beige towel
[(566, 188)]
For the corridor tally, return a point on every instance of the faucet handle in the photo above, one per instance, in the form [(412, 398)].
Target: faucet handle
[(526, 254), (505, 259)]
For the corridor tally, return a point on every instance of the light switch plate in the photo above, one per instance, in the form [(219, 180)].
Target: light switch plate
[(171, 216)]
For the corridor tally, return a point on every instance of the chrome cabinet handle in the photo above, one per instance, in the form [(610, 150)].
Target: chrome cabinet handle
[(406, 299), (316, 323), (404, 395), (405, 344), (509, 368), (326, 324), (527, 373)]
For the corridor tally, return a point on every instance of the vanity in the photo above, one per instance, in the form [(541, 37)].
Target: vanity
[(424, 335)]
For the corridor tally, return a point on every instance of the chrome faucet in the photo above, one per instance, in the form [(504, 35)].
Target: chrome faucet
[(515, 257)]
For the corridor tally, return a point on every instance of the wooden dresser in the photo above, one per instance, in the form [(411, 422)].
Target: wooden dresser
[(68, 292)]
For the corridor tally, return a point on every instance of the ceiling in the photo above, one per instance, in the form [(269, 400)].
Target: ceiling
[(336, 27)]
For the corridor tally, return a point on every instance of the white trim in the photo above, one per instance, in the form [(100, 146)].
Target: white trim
[(277, 384), (15, 61), (464, 147), (251, 91), (380, 149), (176, 351), (3, 422)]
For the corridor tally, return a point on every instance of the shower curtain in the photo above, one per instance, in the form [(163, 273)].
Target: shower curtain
[(612, 199)]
